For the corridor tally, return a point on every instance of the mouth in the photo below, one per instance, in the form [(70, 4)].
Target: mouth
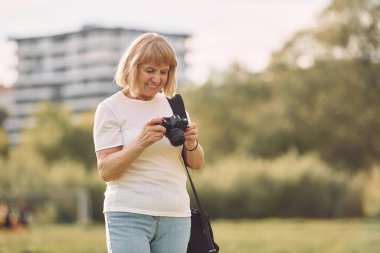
[(152, 86)]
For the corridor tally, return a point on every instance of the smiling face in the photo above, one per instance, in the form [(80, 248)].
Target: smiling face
[(151, 79), (147, 67)]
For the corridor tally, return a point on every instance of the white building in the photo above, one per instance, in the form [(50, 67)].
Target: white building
[(75, 69)]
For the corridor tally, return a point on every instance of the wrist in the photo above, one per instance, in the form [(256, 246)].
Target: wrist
[(139, 146), (192, 147)]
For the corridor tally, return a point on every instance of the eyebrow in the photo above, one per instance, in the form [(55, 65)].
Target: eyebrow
[(150, 67)]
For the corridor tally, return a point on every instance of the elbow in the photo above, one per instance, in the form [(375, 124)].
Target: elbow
[(197, 164), (104, 177), (196, 167), (107, 173), (104, 174)]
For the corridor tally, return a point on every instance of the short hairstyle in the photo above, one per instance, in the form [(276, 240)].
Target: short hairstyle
[(147, 48)]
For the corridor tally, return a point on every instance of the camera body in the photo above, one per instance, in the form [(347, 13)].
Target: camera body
[(175, 126)]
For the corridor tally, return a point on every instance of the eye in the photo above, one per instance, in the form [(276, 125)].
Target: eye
[(164, 72)]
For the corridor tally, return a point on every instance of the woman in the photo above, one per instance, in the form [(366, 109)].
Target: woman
[(146, 206)]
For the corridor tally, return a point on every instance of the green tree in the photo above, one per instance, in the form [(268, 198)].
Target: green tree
[(320, 93), (346, 30), (328, 81), (328, 109), (55, 135), (224, 110), (3, 115), (77, 141), (4, 143)]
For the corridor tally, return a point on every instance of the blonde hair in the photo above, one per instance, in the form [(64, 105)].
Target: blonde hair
[(147, 48)]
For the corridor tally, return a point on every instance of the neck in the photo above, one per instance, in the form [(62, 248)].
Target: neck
[(138, 97)]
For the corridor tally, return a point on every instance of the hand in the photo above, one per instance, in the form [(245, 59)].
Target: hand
[(191, 136), (151, 132)]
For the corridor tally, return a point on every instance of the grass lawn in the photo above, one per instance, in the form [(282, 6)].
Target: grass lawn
[(243, 236), (299, 236)]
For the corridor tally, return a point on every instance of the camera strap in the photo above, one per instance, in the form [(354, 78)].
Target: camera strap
[(178, 107)]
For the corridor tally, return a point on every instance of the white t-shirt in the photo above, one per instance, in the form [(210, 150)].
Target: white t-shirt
[(155, 183)]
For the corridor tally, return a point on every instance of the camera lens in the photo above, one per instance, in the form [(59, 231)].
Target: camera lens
[(176, 137)]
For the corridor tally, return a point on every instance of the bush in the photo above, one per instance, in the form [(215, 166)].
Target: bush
[(288, 186), (49, 190), (371, 201)]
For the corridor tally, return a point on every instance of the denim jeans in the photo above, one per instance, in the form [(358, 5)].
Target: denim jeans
[(138, 233)]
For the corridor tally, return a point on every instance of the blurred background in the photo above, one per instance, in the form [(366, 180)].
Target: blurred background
[(286, 95)]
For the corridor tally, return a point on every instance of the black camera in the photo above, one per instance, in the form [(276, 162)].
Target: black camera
[(175, 126)]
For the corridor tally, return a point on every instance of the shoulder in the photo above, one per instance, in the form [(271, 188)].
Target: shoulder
[(115, 99), (110, 104), (161, 98)]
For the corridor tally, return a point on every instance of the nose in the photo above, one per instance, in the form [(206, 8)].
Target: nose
[(156, 78)]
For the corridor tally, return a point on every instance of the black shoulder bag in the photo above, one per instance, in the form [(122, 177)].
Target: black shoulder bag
[(201, 237)]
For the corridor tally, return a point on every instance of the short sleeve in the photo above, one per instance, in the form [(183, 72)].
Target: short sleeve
[(107, 131)]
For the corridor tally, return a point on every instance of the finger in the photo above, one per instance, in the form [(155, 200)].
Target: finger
[(190, 127), (149, 137), (154, 121), (191, 131), (156, 128), (191, 138)]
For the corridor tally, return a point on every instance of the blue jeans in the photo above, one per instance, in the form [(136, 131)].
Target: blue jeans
[(138, 233)]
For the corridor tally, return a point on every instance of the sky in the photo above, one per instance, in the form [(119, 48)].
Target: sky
[(222, 31)]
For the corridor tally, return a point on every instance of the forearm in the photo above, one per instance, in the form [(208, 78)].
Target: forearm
[(115, 164), (194, 158)]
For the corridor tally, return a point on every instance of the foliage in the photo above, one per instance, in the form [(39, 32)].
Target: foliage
[(371, 197), (55, 162), (351, 29), (3, 115), (346, 30), (287, 186), (4, 144), (225, 111), (310, 98), (22, 171), (328, 80), (49, 190), (332, 109), (56, 136)]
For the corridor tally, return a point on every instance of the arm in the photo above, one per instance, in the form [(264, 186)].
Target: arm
[(112, 162), (194, 152)]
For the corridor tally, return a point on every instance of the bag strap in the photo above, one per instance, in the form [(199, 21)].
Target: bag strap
[(178, 107)]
